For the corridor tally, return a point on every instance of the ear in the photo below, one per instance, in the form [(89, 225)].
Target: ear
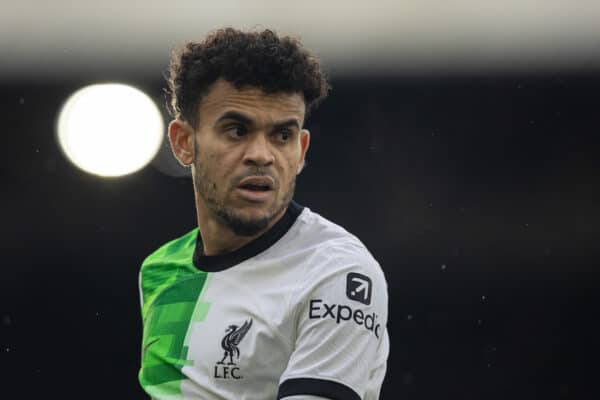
[(181, 137), (304, 144)]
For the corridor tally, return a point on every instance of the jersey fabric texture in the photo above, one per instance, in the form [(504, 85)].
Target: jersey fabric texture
[(301, 310)]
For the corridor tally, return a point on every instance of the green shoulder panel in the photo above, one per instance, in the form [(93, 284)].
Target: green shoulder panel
[(170, 263), (171, 289)]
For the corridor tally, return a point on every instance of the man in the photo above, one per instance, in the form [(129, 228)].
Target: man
[(265, 299)]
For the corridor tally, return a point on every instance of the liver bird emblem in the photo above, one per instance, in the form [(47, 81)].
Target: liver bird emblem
[(231, 341)]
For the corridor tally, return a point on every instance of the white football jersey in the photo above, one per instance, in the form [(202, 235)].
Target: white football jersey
[(299, 311)]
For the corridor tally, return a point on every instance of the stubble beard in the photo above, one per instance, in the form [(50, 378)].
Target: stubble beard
[(240, 225)]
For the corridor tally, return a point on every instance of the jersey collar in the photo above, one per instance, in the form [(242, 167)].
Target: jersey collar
[(222, 262)]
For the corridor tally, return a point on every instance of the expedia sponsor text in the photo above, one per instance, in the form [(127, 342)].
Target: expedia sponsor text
[(340, 312)]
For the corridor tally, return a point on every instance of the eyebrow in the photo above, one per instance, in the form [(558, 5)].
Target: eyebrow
[(235, 116), (239, 117), (286, 124)]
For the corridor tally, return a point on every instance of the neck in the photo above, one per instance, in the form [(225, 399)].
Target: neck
[(218, 238)]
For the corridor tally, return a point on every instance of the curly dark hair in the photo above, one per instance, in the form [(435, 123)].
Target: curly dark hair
[(260, 59)]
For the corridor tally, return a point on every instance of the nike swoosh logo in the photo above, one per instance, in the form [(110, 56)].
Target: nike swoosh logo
[(149, 344)]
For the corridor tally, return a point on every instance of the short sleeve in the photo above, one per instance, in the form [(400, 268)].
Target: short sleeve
[(341, 345)]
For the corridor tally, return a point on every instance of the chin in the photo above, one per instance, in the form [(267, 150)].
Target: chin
[(249, 220), (245, 226), (255, 215), (256, 210)]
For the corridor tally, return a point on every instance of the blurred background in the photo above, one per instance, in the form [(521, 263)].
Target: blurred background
[(459, 142)]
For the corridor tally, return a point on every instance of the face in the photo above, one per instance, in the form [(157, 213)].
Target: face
[(247, 150)]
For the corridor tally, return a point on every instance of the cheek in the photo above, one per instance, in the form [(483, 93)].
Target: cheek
[(295, 163), (216, 171), (222, 170), (290, 171), (209, 168)]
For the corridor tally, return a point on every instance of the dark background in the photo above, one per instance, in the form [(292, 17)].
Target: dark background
[(477, 194)]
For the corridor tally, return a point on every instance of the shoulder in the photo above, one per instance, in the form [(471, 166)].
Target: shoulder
[(165, 264), (337, 266), (334, 250), (178, 248)]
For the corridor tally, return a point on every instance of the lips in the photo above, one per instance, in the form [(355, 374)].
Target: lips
[(257, 183), (256, 189)]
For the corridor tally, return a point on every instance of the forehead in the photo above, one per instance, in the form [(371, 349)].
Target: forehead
[(264, 107)]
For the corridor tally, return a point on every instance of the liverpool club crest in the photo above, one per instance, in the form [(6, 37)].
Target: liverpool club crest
[(229, 343)]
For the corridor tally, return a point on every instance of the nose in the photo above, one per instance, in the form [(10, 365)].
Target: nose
[(258, 151)]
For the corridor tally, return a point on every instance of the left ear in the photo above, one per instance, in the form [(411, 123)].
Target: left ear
[(304, 143)]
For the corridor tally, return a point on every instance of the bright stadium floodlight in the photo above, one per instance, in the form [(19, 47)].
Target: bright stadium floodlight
[(110, 129)]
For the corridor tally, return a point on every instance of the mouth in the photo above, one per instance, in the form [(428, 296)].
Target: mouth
[(256, 189)]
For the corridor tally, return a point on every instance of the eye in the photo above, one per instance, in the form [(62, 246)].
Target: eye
[(236, 131), (283, 135)]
